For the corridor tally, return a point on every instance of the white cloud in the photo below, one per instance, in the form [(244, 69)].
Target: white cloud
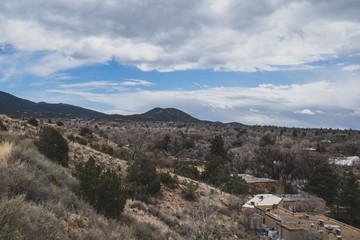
[(305, 111), (333, 102), (96, 84), (226, 36), (136, 82), (351, 68)]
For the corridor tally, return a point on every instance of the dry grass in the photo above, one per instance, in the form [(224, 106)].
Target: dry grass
[(5, 151)]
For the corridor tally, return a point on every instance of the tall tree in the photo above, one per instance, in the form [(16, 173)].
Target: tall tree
[(218, 148), (324, 183), (350, 197)]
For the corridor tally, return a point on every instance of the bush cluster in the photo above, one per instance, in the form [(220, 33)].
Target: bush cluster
[(143, 179), (103, 189), (168, 180), (2, 126), (33, 121), (53, 145)]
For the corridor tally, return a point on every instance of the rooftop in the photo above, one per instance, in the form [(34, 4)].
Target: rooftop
[(298, 221), (262, 200), (251, 179)]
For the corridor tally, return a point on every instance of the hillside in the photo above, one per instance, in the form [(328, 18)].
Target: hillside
[(167, 216), (12, 105)]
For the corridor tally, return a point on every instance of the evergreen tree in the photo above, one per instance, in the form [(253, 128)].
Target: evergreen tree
[(88, 173), (143, 179), (111, 194), (53, 145), (350, 197), (215, 171), (187, 171), (103, 189), (324, 183), (217, 147), (235, 185)]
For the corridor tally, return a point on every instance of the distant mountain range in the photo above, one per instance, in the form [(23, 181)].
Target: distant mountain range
[(12, 105)]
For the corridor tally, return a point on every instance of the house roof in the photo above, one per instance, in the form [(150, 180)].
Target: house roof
[(297, 221), (251, 179), (262, 200)]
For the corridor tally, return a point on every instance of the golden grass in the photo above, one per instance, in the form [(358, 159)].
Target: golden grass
[(5, 151)]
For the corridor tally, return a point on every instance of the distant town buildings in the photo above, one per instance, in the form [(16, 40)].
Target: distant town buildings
[(270, 216), (345, 161)]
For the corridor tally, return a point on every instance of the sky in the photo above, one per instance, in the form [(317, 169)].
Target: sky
[(266, 62)]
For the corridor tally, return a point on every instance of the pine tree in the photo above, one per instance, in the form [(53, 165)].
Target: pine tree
[(350, 197), (324, 183)]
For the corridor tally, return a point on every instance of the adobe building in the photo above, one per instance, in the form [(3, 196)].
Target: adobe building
[(303, 203), (258, 185), (262, 201), (298, 226)]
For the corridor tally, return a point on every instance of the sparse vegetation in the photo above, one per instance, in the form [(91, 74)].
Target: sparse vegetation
[(175, 210)]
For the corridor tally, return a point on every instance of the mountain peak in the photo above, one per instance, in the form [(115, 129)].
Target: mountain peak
[(167, 114)]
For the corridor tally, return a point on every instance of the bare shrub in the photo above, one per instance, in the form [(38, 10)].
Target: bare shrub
[(5, 151), (22, 220)]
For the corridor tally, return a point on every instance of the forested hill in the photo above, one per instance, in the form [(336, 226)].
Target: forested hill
[(13, 105)]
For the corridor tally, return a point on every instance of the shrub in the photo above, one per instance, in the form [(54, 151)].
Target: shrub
[(81, 140), (266, 140), (71, 138), (85, 132), (235, 185), (103, 189), (33, 121), (143, 179), (123, 153), (2, 126), (168, 220), (59, 123), (168, 180), (5, 151), (53, 145), (107, 149), (22, 220), (189, 191), (187, 171)]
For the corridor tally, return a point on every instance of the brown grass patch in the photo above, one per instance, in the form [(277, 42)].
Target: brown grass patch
[(5, 151)]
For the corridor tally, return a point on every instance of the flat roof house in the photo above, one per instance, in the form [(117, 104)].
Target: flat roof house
[(258, 185)]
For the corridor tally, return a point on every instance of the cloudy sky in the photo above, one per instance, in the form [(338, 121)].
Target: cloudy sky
[(268, 62)]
